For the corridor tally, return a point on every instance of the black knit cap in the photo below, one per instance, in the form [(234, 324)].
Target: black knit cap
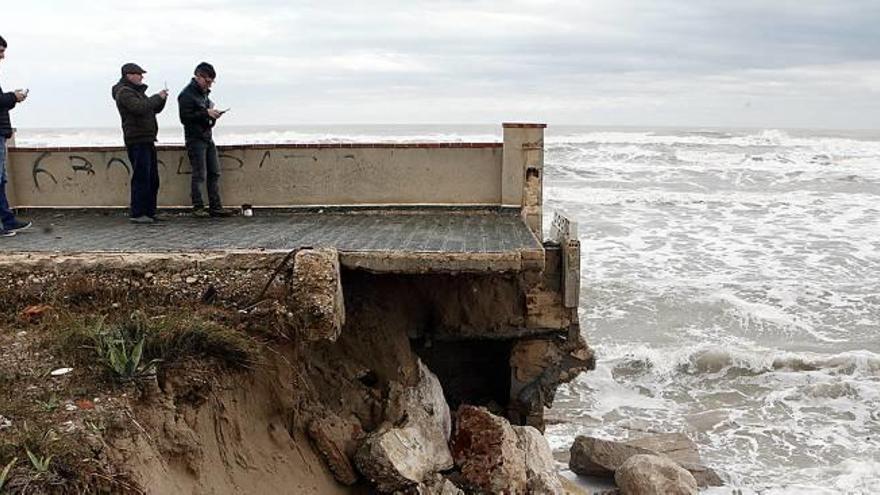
[(132, 68), (206, 69)]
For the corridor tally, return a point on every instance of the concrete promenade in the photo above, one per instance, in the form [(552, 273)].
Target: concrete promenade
[(416, 241)]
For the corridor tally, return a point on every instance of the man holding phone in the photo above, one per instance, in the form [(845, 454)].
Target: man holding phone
[(198, 116), (9, 225), (140, 130)]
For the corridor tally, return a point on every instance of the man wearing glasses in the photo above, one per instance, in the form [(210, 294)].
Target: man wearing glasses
[(198, 116)]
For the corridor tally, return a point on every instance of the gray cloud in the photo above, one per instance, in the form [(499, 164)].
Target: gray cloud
[(638, 62)]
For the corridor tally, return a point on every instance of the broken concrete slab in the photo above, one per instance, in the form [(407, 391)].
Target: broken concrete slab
[(647, 474), (401, 458), (538, 367), (406, 452), (486, 450), (424, 402)]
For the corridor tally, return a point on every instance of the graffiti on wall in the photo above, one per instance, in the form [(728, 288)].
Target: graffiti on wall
[(41, 171)]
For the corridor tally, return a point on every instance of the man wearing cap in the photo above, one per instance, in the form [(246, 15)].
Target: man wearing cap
[(198, 116), (10, 225), (140, 130)]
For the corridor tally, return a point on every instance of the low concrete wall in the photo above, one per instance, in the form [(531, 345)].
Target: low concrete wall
[(280, 175), (508, 174)]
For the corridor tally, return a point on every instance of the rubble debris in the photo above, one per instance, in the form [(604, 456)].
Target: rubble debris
[(406, 452), (645, 474), (486, 451), (336, 439)]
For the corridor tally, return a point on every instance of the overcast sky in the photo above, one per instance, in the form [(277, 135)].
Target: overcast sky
[(744, 63)]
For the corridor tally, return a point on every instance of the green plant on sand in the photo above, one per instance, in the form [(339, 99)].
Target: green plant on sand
[(5, 472), (40, 463), (121, 348)]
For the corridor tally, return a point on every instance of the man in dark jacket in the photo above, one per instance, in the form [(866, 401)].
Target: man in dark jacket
[(198, 116), (10, 225), (140, 129)]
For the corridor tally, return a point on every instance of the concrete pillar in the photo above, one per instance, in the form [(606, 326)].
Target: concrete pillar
[(522, 174)]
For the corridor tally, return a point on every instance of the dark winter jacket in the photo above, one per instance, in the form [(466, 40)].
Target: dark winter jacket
[(138, 112), (194, 103), (7, 103)]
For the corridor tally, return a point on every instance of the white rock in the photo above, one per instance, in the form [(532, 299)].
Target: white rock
[(401, 457), (540, 465), (5, 423)]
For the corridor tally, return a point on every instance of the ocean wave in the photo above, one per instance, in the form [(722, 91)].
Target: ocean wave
[(706, 359), (765, 138)]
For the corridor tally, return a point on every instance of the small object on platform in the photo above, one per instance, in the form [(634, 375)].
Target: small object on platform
[(247, 210)]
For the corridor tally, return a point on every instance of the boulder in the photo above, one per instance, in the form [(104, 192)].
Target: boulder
[(315, 299), (486, 450), (424, 402), (654, 475), (704, 475), (539, 462), (438, 485), (676, 446), (596, 457), (336, 439), (401, 458), (681, 449), (413, 445)]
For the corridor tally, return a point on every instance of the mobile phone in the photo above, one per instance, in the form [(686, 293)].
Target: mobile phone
[(224, 111)]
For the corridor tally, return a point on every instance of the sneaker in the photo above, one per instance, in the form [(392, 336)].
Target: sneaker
[(200, 212), (19, 225), (143, 219), (220, 212), (160, 218), (6, 233)]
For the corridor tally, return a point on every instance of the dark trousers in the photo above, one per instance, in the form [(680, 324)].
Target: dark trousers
[(6, 215), (203, 160), (144, 179)]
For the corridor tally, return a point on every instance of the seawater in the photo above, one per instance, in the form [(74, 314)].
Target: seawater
[(730, 288)]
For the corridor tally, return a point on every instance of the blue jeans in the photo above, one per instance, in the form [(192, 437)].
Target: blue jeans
[(144, 179), (203, 159), (6, 215)]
